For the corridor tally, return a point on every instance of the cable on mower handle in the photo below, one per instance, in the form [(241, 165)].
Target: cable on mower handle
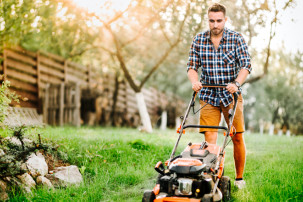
[(192, 103)]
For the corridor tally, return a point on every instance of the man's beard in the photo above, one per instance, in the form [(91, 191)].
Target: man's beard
[(216, 32)]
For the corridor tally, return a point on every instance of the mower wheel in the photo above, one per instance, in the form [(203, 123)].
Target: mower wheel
[(148, 196), (224, 186), (207, 198)]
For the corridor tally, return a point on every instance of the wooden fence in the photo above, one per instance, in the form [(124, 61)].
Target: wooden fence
[(30, 72), (62, 104)]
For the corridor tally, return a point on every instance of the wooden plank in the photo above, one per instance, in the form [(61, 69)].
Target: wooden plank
[(20, 57), (76, 66), (23, 51), (21, 76), (21, 66), (78, 74), (30, 96), (75, 79), (49, 79), (51, 63), (50, 71), (53, 56), (22, 85), (25, 104)]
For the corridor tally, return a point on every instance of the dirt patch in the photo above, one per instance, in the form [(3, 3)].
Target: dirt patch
[(52, 162)]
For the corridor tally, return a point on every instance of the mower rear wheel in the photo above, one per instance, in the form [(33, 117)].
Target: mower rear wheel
[(148, 196), (224, 186), (207, 198)]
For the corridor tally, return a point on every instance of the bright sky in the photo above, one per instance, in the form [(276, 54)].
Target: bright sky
[(107, 7), (289, 31)]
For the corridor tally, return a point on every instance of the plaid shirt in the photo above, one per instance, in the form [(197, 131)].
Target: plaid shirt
[(220, 66)]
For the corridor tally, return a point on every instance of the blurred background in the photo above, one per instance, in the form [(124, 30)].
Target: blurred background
[(83, 62)]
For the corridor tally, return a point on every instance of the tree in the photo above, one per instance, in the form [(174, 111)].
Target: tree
[(279, 96), (156, 35)]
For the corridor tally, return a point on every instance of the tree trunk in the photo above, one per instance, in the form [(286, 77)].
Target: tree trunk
[(115, 97), (143, 112), (163, 120)]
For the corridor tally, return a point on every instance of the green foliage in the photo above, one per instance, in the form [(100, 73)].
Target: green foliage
[(277, 98), (115, 171), (139, 145), (15, 154), (6, 96)]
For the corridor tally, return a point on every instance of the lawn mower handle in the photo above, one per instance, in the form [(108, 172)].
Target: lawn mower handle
[(188, 109)]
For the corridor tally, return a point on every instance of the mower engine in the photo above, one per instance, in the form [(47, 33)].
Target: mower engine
[(190, 175), (174, 186)]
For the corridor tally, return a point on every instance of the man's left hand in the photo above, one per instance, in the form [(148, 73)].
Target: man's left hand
[(232, 88)]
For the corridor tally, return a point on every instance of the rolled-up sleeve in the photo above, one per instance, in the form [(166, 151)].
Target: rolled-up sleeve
[(242, 53), (194, 58)]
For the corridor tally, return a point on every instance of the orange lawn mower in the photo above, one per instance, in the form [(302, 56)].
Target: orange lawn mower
[(197, 173)]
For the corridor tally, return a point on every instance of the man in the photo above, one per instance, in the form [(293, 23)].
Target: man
[(223, 58)]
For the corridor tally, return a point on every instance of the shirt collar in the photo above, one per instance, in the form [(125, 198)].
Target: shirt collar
[(224, 34)]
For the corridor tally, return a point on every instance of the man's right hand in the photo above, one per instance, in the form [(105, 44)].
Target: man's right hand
[(196, 86)]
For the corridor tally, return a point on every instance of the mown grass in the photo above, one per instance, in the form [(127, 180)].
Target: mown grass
[(117, 164)]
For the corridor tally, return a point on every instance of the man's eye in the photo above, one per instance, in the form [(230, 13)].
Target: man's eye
[(211, 21), (219, 21)]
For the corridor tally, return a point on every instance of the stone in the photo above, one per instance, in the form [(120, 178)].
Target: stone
[(16, 141), (64, 176), (27, 182), (3, 186), (13, 140), (4, 196), (44, 182), (37, 165), (1, 153)]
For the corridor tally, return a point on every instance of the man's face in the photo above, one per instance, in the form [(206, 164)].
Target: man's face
[(216, 22)]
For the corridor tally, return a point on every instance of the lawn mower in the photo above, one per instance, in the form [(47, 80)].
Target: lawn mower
[(197, 174)]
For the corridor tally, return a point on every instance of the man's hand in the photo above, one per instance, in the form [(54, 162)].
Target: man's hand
[(232, 88), (196, 86)]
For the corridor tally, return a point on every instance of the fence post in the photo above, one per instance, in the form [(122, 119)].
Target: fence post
[(46, 103), (38, 79), (4, 64), (77, 107), (65, 71), (61, 104), (88, 76)]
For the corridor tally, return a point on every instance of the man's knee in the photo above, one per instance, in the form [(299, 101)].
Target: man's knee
[(238, 139)]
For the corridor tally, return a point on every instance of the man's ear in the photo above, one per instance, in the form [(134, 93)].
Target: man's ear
[(226, 19)]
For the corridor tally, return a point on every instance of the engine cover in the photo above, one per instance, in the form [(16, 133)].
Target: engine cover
[(185, 186)]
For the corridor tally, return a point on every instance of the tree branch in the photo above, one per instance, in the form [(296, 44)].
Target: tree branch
[(121, 61), (168, 51), (271, 36)]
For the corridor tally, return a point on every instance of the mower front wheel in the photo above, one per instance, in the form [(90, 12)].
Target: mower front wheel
[(224, 186), (148, 196)]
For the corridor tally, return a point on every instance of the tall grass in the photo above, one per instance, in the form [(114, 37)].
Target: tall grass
[(117, 164)]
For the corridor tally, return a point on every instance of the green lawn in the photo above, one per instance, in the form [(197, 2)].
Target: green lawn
[(118, 164)]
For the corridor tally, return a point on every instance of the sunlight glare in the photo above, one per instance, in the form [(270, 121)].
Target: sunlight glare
[(103, 7)]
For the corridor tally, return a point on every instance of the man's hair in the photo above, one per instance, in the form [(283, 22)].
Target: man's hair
[(216, 7)]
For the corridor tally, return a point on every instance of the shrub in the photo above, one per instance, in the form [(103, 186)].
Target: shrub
[(6, 97)]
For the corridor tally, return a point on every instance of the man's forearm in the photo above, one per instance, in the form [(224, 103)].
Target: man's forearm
[(242, 76), (194, 79), (193, 76)]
